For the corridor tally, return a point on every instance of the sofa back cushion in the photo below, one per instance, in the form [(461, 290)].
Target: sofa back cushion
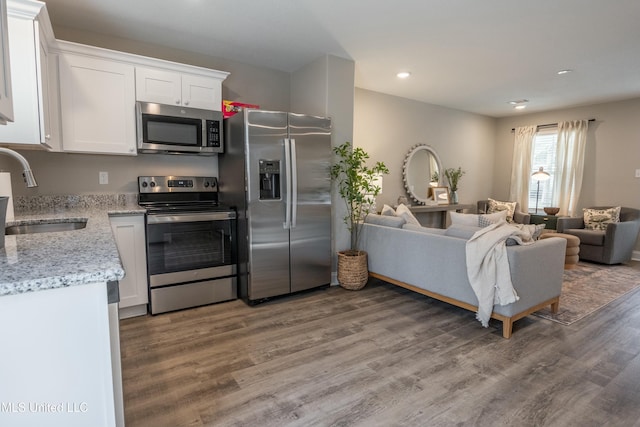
[(384, 220), (461, 231), (472, 220), (420, 229)]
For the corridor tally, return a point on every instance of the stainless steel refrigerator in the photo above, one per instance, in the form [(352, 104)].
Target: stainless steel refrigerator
[(275, 171)]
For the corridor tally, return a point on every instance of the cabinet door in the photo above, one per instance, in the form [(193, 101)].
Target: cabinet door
[(201, 92), (46, 99), (25, 128), (97, 99), (6, 102), (158, 86), (129, 234)]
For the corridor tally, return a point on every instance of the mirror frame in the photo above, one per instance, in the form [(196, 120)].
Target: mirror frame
[(405, 172)]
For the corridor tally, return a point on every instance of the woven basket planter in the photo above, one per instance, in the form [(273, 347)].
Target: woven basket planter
[(353, 271)]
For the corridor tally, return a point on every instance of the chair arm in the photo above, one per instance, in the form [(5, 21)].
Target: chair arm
[(620, 240), (521, 217), (567, 223)]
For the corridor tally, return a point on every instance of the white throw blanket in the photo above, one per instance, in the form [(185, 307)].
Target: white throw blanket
[(488, 266)]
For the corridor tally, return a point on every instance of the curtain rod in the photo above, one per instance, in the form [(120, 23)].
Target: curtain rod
[(549, 125)]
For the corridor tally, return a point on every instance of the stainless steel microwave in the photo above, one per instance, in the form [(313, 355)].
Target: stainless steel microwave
[(173, 129)]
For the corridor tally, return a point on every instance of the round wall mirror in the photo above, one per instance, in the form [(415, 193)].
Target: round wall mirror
[(421, 170)]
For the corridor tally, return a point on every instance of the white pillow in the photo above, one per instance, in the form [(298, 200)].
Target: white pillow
[(403, 212), (473, 219), (388, 211)]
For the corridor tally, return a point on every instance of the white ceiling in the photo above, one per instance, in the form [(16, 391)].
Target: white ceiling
[(472, 55)]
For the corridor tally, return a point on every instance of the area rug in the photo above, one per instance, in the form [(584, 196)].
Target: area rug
[(589, 287)]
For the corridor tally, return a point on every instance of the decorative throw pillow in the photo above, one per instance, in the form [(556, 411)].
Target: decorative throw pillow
[(531, 232), (598, 219), (403, 212), (497, 206), (487, 220), (388, 211)]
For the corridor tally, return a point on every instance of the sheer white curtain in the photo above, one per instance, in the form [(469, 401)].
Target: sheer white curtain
[(521, 168), (572, 140)]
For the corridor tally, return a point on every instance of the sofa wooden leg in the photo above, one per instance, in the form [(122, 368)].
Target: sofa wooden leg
[(507, 328), (555, 306)]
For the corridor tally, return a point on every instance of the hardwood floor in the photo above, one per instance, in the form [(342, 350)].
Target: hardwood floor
[(382, 356)]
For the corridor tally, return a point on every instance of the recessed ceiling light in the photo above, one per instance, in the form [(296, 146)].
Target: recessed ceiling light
[(520, 107), (561, 72), (403, 74), (519, 102)]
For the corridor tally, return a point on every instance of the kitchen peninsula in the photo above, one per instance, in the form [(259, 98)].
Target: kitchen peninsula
[(60, 363)]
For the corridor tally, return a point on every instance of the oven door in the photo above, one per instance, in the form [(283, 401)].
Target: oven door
[(191, 259), (190, 247)]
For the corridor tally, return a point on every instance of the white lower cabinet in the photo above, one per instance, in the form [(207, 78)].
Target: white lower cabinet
[(56, 365), (97, 99), (128, 231)]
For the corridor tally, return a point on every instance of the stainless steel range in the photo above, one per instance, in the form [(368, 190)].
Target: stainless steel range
[(191, 243)]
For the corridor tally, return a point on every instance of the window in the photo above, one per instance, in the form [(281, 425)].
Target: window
[(544, 154)]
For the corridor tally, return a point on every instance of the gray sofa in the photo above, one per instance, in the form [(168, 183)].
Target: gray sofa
[(611, 246), (433, 262)]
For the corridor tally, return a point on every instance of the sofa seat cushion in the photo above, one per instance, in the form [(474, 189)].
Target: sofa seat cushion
[(587, 237), (384, 220)]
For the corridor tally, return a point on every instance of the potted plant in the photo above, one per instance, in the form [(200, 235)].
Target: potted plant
[(356, 185), (453, 176)]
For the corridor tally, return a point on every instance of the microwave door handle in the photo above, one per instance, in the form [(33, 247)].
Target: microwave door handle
[(287, 162), (294, 185)]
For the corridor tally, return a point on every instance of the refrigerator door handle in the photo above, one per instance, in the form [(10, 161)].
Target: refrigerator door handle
[(294, 184), (287, 162)]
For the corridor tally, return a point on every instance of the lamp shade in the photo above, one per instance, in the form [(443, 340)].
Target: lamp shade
[(540, 175)]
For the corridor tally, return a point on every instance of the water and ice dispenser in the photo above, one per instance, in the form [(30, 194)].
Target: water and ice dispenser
[(269, 179)]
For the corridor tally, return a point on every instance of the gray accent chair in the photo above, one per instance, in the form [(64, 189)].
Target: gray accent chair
[(518, 216), (611, 246)]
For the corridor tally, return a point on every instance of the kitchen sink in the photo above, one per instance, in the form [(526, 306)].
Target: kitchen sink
[(45, 227)]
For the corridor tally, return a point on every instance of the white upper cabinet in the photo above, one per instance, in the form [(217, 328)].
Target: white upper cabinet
[(175, 88), (6, 102), (97, 100), (34, 99)]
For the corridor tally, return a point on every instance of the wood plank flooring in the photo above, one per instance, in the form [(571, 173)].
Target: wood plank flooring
[(382, 356)]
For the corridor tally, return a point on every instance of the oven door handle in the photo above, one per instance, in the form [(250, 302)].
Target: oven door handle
[(193, 217)]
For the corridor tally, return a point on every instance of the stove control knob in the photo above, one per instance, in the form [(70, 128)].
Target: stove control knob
[(206, 184), (153, 184), (144, 184)]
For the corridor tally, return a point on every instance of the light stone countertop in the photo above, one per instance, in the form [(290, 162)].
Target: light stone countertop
[(41, 261)]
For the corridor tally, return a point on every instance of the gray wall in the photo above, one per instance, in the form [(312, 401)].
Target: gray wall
[(326, 88), (387, 127), (612, 156)]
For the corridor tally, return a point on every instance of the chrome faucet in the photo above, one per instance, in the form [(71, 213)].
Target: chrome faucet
[(29, 179)]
